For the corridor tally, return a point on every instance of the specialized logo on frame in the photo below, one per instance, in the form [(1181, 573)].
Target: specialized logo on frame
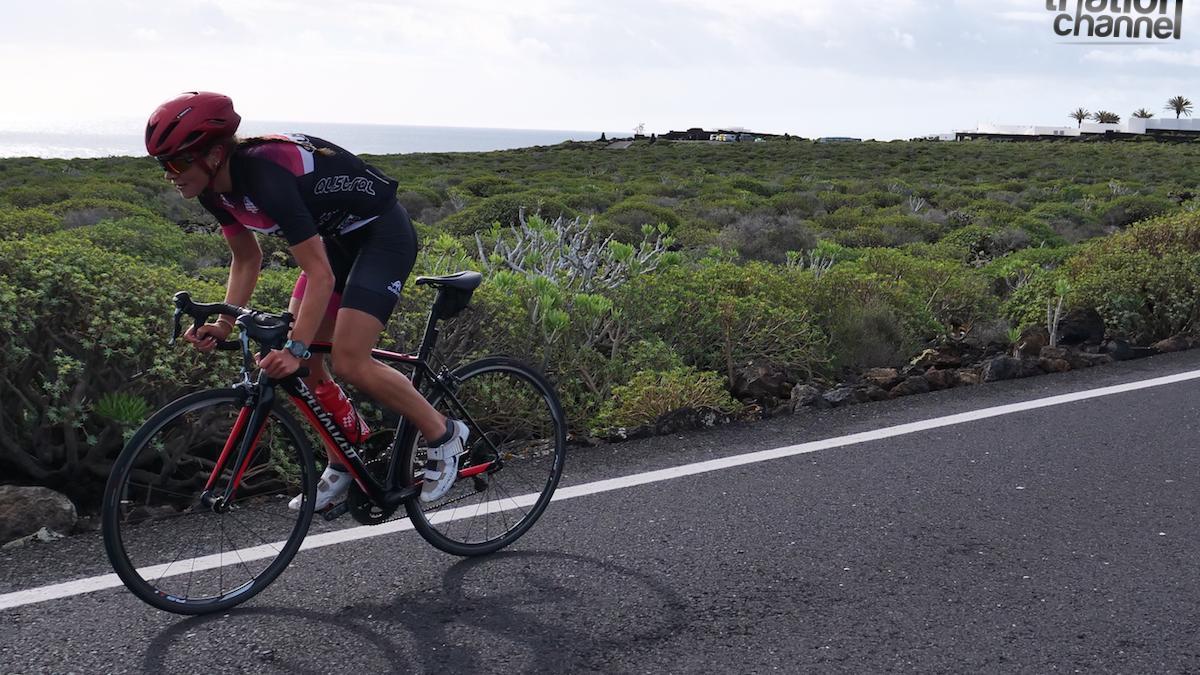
[(1118, 20)]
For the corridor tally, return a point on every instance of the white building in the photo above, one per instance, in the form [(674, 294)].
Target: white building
[(1133, 125)]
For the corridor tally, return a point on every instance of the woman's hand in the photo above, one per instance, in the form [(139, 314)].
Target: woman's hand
[(207, 336), (279, 364)]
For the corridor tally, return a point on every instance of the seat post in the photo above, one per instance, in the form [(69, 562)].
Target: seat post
[(431, 334)]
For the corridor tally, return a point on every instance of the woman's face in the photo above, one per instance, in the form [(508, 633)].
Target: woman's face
[(190, 182), (186, 172)]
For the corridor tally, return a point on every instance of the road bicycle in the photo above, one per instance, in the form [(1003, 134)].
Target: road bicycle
[(195, 513)]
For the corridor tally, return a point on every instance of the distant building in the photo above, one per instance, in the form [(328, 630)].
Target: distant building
[(693, 134), (1159, 129), (731, 135), (838, 139)]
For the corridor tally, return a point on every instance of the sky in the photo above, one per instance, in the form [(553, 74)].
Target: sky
[(882, 69)]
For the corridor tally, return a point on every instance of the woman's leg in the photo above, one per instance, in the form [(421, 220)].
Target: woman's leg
[(356, 333), (318, 366)]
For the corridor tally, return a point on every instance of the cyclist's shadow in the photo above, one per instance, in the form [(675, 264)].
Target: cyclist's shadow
[(511, 611), (535, 612)]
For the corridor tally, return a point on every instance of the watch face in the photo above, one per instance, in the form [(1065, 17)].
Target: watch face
[(297, 349)]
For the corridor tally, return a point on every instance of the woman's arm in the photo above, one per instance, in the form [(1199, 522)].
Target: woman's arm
[(243, 271), (243, 277), (310, 255)]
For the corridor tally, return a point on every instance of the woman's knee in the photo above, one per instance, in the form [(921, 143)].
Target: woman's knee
[(352, 368)]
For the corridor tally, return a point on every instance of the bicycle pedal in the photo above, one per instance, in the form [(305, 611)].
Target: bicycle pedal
[(335, 512)]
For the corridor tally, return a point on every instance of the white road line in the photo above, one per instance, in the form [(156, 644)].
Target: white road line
[(97, 583)]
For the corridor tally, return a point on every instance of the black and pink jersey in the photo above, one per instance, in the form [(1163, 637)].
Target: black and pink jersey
[(299, 186)]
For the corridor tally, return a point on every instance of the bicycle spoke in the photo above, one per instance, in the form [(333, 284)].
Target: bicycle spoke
[(168, 567), (252, 531), (221, 561), (514, 419), (237, 552), (265, 512), (152, 505)]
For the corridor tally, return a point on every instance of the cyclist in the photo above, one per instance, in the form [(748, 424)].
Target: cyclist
[(352, 240)]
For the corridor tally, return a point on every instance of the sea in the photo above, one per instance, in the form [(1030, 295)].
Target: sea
[(116, 139)]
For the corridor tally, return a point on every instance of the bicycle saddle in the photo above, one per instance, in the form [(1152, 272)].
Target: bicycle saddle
[(463, 281)]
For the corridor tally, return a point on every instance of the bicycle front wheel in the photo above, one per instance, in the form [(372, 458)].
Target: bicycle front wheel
[(513, 460), (181, 555)]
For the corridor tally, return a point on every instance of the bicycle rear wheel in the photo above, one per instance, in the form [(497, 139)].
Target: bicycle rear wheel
[(517, 445), (181, 556)]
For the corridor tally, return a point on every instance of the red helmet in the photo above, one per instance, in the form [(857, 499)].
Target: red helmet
[(193, 120)]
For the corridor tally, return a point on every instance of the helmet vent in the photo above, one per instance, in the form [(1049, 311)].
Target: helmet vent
[(190, 139), (167, 131)]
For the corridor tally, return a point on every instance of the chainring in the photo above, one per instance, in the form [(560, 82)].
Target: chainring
[(362, 508)]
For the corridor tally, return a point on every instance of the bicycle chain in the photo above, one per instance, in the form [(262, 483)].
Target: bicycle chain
[(367, 501)]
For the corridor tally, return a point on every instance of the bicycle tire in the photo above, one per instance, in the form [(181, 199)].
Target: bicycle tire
[(517, 410), (151, 509)]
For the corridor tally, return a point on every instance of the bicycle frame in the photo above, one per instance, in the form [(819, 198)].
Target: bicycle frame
[(252, 419)]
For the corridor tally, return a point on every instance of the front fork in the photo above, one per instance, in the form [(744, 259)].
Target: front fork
[(247, 430)]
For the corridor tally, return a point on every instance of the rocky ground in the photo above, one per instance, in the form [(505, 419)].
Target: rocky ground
[(769, 391)]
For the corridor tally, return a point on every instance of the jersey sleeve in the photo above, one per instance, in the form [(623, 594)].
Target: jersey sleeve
[(229, 225), (274, 191)]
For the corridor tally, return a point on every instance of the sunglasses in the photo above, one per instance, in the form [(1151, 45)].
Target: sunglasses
[(177, 163)]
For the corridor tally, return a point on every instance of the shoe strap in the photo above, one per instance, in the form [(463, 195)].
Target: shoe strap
[(445, 451)]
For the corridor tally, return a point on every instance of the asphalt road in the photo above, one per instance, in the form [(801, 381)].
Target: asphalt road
[(1056, 539)]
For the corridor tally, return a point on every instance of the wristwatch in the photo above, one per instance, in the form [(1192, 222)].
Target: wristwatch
[(297, 349)]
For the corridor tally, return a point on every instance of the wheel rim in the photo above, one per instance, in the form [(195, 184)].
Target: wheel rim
[(185, 552), (522, 425)]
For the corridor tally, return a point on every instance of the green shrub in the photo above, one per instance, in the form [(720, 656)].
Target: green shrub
[(93, 323), (1026, 305), (868, 335), (651, 394), (489, 185), (768, 237), (89, 211), (631, 215), (504, 209), (17, 222), (1143, 281), (417, 199), (154, 241), (850, 301), (752, 185), (122, 408), (1126, 210), (717, 315), (802, 204), (1012, 271), (832, 201), (592, 198), (26, 197), (882, 200), (952, 294)]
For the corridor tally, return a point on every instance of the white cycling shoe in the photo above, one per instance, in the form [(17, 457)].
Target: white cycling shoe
[(441, 466), (331, 489)]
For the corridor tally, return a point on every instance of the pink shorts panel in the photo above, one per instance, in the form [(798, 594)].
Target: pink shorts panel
[(335, 300)]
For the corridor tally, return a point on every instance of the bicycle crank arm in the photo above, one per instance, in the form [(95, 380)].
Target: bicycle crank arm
[(397, 497)]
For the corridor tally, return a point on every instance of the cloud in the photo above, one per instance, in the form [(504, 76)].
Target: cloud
[(1043, 18), (1142, 55), (785, 65)]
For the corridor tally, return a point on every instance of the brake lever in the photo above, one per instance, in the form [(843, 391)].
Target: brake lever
[(178, 326)]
